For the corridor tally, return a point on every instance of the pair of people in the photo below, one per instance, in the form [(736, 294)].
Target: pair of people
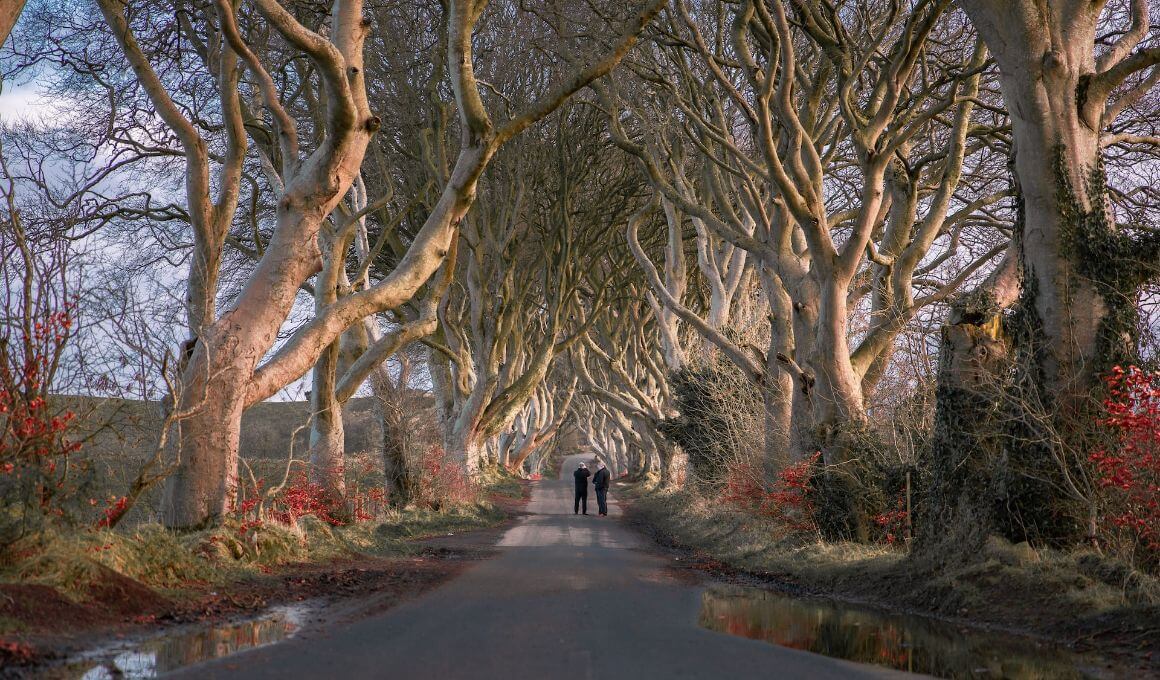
[(599, 482)]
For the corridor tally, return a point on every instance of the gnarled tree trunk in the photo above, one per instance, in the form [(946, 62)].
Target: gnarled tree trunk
[(1081, 274)]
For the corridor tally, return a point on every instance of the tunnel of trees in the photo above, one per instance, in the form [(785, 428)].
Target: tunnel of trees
[(824, 254)]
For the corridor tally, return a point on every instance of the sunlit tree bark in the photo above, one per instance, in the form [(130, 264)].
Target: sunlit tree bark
[(1063, 92), (226, 351), (9, 12)]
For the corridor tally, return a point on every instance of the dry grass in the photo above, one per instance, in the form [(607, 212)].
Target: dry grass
[(119, 435), (73, 561)]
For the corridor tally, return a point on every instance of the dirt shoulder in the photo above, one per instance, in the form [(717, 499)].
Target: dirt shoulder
[(1066, 601), (40, 625)]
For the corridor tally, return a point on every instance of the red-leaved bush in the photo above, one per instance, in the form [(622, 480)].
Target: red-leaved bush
[(303, 497), (1128, 469), (34, 436), (116, 509), (442, 482), (893, 523), (787, 501), (297, 499)]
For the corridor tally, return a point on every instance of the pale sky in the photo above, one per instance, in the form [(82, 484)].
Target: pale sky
[(21, 101)]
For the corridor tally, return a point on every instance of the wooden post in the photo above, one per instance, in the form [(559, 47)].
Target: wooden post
[(909, 526)]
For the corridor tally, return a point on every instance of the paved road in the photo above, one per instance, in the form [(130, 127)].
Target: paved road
[(568, 597)]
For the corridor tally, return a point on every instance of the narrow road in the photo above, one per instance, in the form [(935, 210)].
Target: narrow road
[(577, 597)]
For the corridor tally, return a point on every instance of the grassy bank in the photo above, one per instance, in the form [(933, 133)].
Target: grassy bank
[(1079, 598), (99, 577), (119, 436)]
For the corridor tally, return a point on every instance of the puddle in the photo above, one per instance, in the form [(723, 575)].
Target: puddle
[(155, 656), (909, 643)]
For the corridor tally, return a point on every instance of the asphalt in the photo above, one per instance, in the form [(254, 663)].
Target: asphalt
[(568, 596)]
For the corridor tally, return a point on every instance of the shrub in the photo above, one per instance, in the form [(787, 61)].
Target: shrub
[(1128, 469), (721, 420), (788, 502), (299, 497), (442, 482), (892, 523), (35, 436)]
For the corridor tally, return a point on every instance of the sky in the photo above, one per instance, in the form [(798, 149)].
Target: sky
[(20, 101)]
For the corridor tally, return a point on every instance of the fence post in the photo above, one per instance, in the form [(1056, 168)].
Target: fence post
[(909, 525)]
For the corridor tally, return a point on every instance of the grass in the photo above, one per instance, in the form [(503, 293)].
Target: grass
[(72, 561), (420, 524), (500, 482), (1045, 591), (118, 437)]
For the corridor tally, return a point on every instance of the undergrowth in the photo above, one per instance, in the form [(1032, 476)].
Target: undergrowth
[(72, 560), (1004, 583)]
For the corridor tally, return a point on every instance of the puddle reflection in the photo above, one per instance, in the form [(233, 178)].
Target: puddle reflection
[(907, 643), (151, 658)]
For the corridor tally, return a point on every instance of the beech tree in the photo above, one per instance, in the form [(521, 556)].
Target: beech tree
[(844, 184), (1072, 76), (619, 367), (1068, 72), (9, 12), (533, 279), (226, 351)]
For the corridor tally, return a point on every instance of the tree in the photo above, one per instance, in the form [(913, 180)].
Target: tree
[(848, 166), (1069, 72), (1065, 86), (9, 12), (532, 254), (225, 352)]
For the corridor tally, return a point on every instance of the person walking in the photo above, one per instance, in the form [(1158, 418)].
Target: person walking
[(600, 483), (581, 474)]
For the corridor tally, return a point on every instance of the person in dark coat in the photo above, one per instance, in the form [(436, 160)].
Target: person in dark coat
[(600, 483), (581, 474)]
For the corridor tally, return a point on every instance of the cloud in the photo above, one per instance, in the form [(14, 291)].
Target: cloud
[(22, 102)]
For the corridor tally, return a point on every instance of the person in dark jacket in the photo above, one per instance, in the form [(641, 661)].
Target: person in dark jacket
[(600, 483), (581, 474)]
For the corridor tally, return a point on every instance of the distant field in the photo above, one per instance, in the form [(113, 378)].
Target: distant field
[(124, 426), (121, 435)]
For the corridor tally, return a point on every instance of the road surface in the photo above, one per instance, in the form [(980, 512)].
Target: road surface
[(576, 597)]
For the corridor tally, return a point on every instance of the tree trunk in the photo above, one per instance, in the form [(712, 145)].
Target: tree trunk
[(203, 486), (779, 384), (837, 397), (964, 491), (1045, 57), (845, 488), (675, 282), (9, 12), (803, 442), (394, 413), (674, 463), (1053, 148), (327, 439), (466, 451)]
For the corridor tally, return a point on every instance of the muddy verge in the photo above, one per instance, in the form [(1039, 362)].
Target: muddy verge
[(40, 628), (1127, 642)]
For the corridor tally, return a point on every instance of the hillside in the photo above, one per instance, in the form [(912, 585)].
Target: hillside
[(129, 426), (120, 436)]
